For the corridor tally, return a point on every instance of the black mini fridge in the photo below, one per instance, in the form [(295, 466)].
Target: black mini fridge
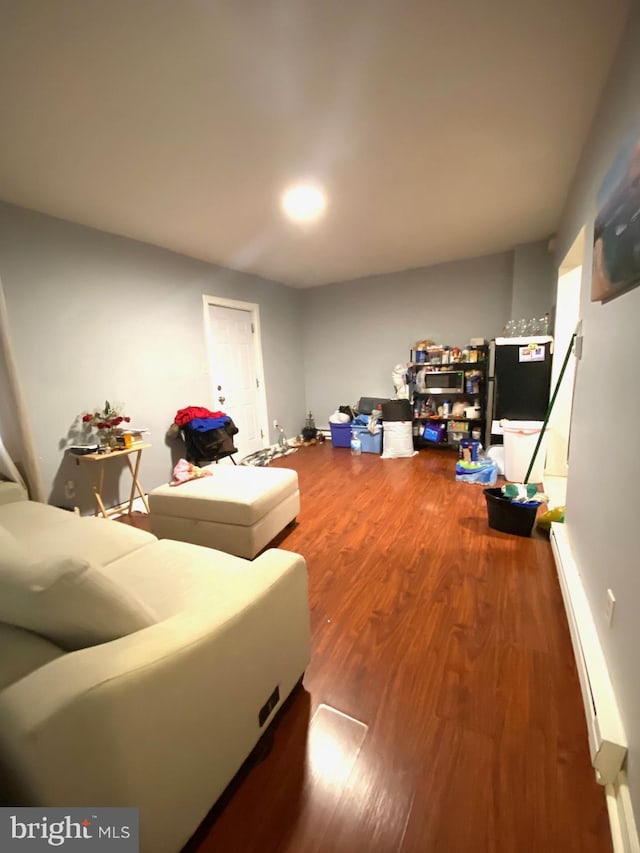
[(518, 382)]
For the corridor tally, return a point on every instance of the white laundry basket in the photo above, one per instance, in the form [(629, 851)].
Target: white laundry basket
[(520, 439)]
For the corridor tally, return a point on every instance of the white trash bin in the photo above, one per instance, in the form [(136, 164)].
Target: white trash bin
[(520, 439), (495, 452)]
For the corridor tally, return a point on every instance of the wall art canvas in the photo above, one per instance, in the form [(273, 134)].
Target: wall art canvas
[(616, 233)]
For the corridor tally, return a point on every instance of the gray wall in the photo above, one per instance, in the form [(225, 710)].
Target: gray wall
[(534, 281), (355, 332), (96, 316), (602, 505)]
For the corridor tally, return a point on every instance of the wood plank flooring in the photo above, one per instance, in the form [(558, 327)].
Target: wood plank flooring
[(445, 645)]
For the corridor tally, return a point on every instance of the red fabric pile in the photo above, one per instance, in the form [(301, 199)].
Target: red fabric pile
[(184, 416)]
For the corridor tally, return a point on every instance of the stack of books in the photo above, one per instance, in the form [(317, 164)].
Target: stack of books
[(129, 437)]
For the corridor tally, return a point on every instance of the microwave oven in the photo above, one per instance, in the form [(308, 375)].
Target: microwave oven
[(442, 382)]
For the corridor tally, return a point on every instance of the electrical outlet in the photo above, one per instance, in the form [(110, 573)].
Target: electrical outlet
[(276, 425), (70, 489), (611, 603)]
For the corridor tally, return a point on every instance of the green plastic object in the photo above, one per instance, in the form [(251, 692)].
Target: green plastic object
[(552, 515)]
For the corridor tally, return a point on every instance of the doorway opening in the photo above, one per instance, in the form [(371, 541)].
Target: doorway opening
[(567, 317), (234, 352)]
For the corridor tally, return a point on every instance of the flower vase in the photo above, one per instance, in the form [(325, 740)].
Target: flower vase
[(107, 441)]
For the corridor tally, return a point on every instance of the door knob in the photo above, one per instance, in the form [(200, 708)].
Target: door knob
[(221, 399)]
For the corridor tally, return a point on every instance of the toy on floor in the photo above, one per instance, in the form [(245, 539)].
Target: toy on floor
[(551, 515)]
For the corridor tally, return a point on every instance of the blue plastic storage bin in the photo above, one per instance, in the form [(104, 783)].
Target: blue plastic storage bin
[(340, 435), (370, 443)]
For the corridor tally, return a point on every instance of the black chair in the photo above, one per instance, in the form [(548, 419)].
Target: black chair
[(209, 446)]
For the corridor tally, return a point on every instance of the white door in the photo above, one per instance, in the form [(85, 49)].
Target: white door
[(236, 369)]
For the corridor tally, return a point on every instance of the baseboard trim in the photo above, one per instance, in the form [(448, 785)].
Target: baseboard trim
[(624, 833), (136, 506), (607, 740)]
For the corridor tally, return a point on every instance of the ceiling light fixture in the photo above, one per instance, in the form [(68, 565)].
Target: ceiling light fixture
[(304, 203)]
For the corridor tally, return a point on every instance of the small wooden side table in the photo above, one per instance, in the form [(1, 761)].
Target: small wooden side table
[(101, 459)]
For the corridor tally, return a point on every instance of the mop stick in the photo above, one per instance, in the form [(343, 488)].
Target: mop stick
[(550, 407)]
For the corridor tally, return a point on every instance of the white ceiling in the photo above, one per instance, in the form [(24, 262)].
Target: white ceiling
[(440, 130)]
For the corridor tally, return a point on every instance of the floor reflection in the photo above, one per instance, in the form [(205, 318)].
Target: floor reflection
[(334, 742)]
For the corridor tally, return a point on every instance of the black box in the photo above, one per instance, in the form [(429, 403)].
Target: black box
[(397, 410), (366, 405)]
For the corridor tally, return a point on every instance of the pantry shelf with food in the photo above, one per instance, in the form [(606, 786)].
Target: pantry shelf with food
[(448, 393)]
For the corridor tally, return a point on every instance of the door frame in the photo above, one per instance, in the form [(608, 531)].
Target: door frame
[(556, 476), (254, 309)]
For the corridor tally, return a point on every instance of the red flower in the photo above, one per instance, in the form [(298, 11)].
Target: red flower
[(107, 419), (127, 420)]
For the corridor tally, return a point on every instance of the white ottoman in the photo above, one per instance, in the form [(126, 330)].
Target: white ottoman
[(238, 510)]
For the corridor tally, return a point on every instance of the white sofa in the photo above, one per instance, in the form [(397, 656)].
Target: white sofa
[(137, 672)]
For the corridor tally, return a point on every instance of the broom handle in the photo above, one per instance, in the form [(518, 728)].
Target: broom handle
[(550, 407)]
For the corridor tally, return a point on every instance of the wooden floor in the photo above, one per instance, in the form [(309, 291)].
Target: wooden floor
[(441, 709)]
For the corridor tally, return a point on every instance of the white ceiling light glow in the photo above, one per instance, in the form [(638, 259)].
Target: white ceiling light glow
[(304, 203)]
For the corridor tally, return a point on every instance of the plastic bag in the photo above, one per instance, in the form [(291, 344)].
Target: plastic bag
[(483, 471), (397, 440), (371, 422)]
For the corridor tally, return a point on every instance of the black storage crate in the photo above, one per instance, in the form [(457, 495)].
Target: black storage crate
[(397, 410), (509, 516)]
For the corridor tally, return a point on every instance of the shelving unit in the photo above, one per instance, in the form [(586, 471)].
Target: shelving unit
[(447, 381)]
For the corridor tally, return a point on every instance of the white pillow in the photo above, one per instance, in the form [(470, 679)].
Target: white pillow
[(66, 600), (21, 652)]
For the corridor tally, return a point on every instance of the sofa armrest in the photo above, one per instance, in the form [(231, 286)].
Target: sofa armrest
[(161, 719)]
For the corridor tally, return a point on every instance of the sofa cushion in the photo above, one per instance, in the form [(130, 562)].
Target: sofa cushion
[(97, 540), (192, 577), (9, 544), (21, 652), (67, 600), (24, 519), (43, 530)]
